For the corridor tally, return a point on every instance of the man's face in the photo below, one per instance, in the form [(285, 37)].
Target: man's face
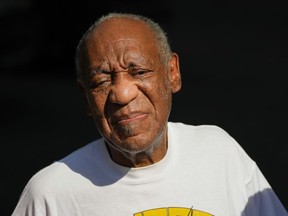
[(128, 89)]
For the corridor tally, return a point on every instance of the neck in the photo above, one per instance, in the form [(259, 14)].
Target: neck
[(140, 159)]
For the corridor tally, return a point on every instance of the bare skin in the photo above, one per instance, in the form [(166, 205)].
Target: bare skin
[(129, 91)]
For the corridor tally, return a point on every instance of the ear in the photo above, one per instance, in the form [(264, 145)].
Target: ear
[(82, 88), (174, 73)]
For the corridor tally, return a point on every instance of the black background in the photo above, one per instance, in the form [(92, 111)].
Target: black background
[(233, 62)]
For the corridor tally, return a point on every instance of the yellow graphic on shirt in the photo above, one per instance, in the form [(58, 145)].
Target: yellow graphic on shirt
[(172, 211)]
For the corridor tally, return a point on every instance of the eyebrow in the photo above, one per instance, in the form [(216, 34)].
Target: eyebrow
[(98, 71)]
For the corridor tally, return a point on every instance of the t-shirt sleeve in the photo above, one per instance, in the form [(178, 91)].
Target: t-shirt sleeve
[(262, 199), (29, 205)]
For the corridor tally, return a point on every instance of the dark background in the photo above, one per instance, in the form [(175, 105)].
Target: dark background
[(233, 62)]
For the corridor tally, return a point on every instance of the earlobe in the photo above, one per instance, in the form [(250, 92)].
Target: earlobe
[(175, 75), (81, 86)]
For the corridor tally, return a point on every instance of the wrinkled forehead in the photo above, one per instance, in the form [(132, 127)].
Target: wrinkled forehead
[(121, 28), (121, 40)]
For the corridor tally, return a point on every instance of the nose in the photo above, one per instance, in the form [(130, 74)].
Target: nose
[(123, 90)]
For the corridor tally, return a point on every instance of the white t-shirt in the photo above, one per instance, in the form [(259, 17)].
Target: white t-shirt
[(205, 172)]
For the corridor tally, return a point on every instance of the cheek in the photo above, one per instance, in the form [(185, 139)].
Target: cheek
[(97, 104), (163, 88), (164, 92), (159, 93)]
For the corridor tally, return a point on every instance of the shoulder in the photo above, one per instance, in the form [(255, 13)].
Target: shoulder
[(208, 140), (58, 175), (41, 180), (207, 132), (211, 143)]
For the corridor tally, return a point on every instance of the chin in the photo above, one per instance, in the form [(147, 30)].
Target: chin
[(134, 147)]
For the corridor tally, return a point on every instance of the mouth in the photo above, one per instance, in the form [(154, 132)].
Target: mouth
[(130, 118)]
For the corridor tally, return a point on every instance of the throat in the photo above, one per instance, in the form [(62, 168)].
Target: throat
[(139, 159)]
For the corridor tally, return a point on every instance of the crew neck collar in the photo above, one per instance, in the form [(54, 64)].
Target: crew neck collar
[(130, 175)]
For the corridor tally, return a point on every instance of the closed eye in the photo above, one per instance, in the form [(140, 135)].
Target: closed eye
[(140, 73), (99, 82)]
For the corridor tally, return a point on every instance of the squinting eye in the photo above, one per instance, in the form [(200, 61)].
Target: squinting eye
[(140, 72), (99, 83)]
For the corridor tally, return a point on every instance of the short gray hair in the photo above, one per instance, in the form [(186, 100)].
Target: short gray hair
[(160, 36)]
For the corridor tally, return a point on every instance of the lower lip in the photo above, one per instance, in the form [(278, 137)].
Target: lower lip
[(133, 119)]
